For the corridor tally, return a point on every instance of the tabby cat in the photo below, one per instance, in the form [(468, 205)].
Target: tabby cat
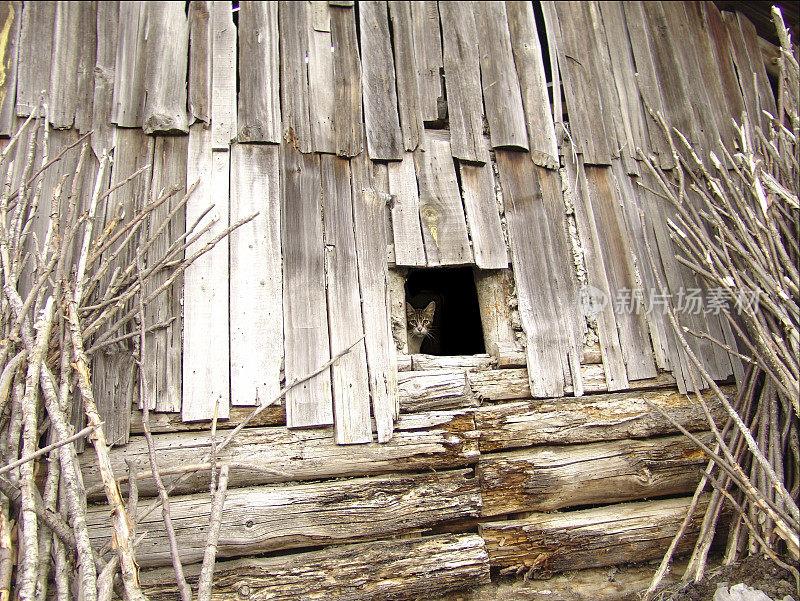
[(419, 323)]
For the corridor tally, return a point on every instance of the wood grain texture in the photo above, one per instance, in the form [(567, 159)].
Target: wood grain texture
[(591, 538), (322, 96), (437, 390), (723, 59), (428, 55), (499, 80), (402, 570), (199, 84), (256, 312), (35, 50), (63, 94), (293, 18), (349, 374), (422, 362), (405, 59), (129, 70), (464, 97), (103, 130), (167, 34), (409, 249), (444, 227), (87, 61), (381, 119), (494, 290), (529, 64), (556, 477), (10, 24), (259, 114), (347, 119), (223, 75), (764, 93), (206, 308), (262, 519), (483, 217), (305, 316)]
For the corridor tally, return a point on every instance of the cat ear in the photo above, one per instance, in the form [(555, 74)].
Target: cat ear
[(429, 310), (409, 310)]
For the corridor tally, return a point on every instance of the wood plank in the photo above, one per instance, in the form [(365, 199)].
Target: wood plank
[(63, 96), (409, 249), (11, 20), (87, 61), (322, 96), (556, 477), (162, 372), (530, 240), (304, 308), (533, 84), (256, 312), (464, 97), (582, 91), (293, 18), (223, 76), (115, 384), (423, 362), (588, 419), (199, 84), (428, 55), (369, 212), (438, 390), (262, 519), (349, 374), (766, 97), (347, 120), (494, 290), (408, 96), (591, 538), (402, 570), (167, 34), (384, 138), (721, 47), (258, 455), (206, 357), (444, 227), (554, 43), (483, 217), (501, 86), (103, 130), (35, 50), (130, 65), (165, 423)]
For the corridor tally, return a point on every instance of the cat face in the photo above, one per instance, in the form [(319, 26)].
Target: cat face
[(420, 320)]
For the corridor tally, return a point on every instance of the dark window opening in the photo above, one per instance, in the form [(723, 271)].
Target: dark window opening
[(457, 321)]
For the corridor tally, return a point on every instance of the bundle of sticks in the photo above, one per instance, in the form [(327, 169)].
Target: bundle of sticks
[(737, 225)]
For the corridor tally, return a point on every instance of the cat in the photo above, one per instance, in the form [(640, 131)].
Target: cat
[(419, 323)]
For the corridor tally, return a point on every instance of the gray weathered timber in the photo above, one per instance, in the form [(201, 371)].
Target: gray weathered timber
[(347, 120), (595, 418), (382, 122), (162, 372), (167, 423), (582, 90), (305, 315), (199, 94), (423, 442), (107, 27), (259, 73), (463, 82), (532, 258), (494, 290), (129, 69), (322, 96), (591, 538), (266, 518), (483, 217), (554, 44), (428, 55), (499, 80), (533, 85), (87, 61), (507, 355), (35, 47), (256, 309), (405, 60), (206, 359), (115, 384), (293, 29), (409, 249), (63, 94), (480, 362), (766, 97), (723, 59), (556, 477), (438, 389), (444, 227), (349, 374), (167, 35), (402, 570), (369, 213), (11, 19), (223, 75)]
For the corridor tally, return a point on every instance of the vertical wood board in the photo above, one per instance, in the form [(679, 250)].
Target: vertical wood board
[(223, 75), (199, 93), (103, 131), (322, 96), (63, 96), (428, 55), (294, 49), (10, 23), (409, 249), (130, 65), (347, 120), (35, 49), (408, 95), (483, 217)]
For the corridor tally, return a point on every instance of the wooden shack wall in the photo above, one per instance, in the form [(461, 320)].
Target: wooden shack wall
[(372, 137)]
